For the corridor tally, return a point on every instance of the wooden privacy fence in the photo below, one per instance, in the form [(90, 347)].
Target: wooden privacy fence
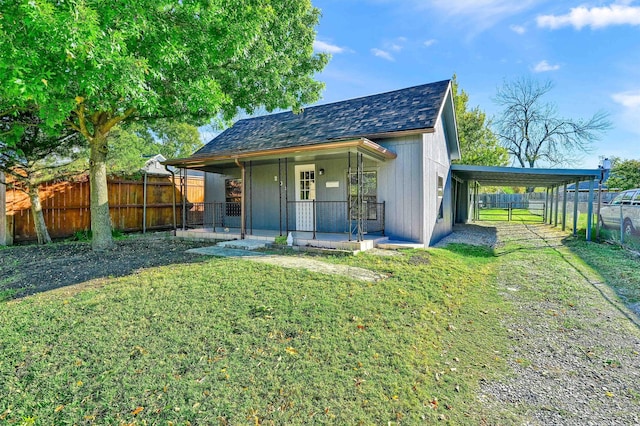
[(66, 205)]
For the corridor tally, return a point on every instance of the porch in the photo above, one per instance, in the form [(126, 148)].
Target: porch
[(329, 224), (326, 196)]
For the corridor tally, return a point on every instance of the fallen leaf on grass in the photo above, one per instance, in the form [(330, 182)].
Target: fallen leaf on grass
[(58, 408), (291, 351), (137, 411), (433, 404)]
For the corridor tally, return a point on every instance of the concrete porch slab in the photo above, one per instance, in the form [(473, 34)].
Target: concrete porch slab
[(247, 244)]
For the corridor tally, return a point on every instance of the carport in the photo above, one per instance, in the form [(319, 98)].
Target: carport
[(468, 179)]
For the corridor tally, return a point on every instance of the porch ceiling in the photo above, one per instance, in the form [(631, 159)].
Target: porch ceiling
[(515, 176), (368, 148)]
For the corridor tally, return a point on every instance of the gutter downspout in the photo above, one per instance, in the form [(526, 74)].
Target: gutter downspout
[(242, 199), (173, 193)]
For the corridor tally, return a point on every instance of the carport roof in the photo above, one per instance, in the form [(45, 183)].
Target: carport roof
[(516, 176)]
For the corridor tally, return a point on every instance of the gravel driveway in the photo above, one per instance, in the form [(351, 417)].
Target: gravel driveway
[(572, 365)]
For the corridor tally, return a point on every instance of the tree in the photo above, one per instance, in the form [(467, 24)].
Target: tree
[(95, 64), (478, 144), (625, 174), (30, 156), (132, 144), (533, 133)]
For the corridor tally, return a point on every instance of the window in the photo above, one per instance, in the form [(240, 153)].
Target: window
[(439, 197), (627, 196), (307, 185), (369, 194), (232, 196)]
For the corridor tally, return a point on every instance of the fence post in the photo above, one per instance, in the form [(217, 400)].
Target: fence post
[(510, 211), (621, 225)]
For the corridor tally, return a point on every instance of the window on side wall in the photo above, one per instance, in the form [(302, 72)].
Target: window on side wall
[(439, 197), (232, 196)]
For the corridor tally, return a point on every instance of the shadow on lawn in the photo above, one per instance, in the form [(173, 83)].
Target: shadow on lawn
[(619, 270), (27, 270)]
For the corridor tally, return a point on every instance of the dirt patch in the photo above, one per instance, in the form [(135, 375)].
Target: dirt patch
[(303, 262), (30, 269)]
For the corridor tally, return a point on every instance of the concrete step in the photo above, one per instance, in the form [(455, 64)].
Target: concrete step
[(396, 245)]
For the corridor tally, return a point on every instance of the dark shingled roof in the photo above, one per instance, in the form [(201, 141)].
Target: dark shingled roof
[(411, 109)]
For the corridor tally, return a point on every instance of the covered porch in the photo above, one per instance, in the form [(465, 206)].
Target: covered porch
[(324, 195)]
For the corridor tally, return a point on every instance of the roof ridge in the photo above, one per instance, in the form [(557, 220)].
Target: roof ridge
[(332, 104)]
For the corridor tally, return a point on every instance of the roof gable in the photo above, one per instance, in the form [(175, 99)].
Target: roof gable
[(412, 109)]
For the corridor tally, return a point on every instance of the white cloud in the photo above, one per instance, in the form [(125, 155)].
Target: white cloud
[(430, 42), (518, 29), (323, 46), (544, 66), (630, 99), (596, 17), (482, 14), (382, 54)]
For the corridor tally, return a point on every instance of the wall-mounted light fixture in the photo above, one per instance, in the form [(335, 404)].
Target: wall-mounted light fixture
[(321, 172)]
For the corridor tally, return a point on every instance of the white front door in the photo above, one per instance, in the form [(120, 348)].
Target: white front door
[(305, 195)]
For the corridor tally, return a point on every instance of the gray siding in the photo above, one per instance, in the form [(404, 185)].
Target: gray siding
[(264, 194), (437, 162), (401, 187)]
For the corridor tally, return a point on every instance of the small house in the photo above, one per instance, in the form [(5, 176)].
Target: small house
[(360, 171)]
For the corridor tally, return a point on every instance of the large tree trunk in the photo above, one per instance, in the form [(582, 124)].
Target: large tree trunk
[(38, 217), (100, 219)]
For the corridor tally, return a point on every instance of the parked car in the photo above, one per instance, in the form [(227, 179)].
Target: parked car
[(624, 207)]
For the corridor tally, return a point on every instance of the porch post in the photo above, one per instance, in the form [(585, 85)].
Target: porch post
[(242, 198), (250, 197), (314, 218), (286, 195), (360, 198), (280, 196), (183, 186), (349, 193)]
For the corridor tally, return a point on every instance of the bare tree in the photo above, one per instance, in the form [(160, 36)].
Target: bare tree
[(531, 130)]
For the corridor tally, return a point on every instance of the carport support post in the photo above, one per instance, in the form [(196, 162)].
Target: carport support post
[(551, 191), (546, 206), (590, 210), (555, 217), (564, 207), (575, 209)]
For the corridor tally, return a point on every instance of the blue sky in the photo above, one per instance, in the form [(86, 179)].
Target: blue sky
[(589, 50)]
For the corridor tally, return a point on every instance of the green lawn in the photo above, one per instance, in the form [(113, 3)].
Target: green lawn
[(229, 341), (517, 215)]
